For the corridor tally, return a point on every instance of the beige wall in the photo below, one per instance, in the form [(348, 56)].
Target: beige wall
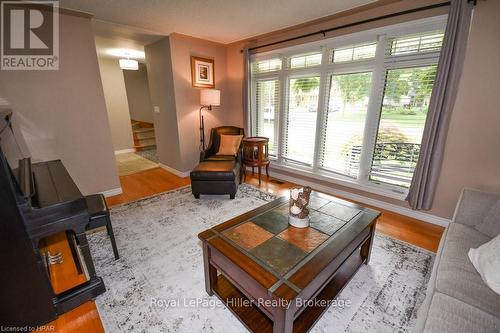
[(62, 113), (115, 96), (187, 98), (235, 78), (161, 87), (139, 100), (472, 156)]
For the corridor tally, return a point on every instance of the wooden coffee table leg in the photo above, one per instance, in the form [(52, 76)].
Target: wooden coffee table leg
[(210, 271), (366, 250), (267, 170), (260, 173), (283, 321)]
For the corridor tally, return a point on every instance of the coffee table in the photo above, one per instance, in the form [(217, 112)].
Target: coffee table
[(278, 278)]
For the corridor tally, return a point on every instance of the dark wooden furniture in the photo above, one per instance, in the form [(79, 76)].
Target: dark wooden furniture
[(256, 154), (217, 174), (100, 217), (37, 201), (265, 270)]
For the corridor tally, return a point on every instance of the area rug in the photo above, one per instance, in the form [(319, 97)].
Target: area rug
[(129, 163), (157, 282)]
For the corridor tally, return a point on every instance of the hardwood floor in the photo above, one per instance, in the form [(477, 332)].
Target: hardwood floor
[(85, 318), (146, 183)]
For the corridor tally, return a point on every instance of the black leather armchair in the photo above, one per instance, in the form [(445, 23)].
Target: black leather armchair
[(217, 174), (209, 154)]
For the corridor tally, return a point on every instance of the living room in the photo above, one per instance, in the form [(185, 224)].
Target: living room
[(328, 166)]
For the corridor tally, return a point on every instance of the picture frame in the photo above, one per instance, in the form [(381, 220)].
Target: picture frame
[(202, 72)]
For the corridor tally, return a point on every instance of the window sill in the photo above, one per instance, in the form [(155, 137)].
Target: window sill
[(339, 180)]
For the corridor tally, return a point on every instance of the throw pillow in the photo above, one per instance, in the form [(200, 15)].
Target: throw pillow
[(229, 144), (490, 225), (486, 260)]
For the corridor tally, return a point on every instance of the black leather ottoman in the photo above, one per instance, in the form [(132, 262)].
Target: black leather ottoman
[(215, 177)]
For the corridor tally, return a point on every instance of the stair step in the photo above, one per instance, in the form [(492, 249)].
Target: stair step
[(144, 129), (144, 135), (144, 147), (147, 142)]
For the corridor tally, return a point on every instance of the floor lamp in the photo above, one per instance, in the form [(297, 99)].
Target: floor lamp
[(208, 98)]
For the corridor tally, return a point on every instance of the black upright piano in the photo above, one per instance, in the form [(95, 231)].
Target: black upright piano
[(38, 200)]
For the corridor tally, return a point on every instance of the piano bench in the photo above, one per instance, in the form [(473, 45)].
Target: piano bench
[(99, 217)]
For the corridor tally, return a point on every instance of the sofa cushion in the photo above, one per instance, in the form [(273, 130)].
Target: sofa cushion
[(215, 171), (457, 277), (423, 311), (491, 223), (447, 314)]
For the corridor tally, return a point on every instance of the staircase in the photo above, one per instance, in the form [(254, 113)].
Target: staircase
[(144, 135)]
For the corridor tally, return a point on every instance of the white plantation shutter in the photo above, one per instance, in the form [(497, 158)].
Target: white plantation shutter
[(353, 53), (406, 97), (266, 66), (427, 42), (344, 125), (267, 110), (306, 60), (300, 117)]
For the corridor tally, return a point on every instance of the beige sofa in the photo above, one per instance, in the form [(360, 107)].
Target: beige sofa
[(457, 299)]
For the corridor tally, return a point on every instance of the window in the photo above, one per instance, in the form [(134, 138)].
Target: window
[(426, 42), (357, 118), (266, 111), (266, 66), (345, 122), (306, 60), (301, 119), (405, 103), (354, 53)]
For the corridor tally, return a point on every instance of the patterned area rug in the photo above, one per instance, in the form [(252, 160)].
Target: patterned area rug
[(156, 283)]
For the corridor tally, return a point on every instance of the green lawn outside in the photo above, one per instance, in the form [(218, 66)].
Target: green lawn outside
[(404, 120)]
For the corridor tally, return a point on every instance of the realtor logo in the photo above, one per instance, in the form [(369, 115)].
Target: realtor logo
[(29, 35)]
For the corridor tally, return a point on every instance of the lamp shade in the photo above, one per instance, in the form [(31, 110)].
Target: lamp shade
[(210, 97), (129, 64)]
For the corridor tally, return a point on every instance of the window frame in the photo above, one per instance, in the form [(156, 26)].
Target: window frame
[(378, 66), (253, 112)]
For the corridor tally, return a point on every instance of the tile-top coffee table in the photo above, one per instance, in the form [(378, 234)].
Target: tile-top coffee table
[(278, 278)]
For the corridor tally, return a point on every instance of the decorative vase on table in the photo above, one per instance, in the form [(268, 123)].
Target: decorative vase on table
[(298, 215)]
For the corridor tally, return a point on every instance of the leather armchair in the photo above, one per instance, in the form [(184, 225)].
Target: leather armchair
[(217, 174), (210, 153)]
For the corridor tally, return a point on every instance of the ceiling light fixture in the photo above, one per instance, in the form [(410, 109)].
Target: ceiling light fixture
[(129, 64)]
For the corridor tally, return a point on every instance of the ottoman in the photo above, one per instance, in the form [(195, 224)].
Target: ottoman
[(215, 177)]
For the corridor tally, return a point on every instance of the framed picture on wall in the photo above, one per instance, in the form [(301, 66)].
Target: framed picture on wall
[(202, 72)]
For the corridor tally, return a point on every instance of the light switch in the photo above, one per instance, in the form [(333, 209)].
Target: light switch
[(156, 109)]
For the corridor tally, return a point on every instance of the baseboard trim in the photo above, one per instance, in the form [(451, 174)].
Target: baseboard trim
[(174, 171), (112, 192), (441, 221), (124, 151)]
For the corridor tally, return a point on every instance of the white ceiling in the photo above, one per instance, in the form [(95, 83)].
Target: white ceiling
[(119, 41), (222, 21)]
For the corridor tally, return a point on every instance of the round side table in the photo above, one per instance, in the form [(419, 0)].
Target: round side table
[(255, 154)]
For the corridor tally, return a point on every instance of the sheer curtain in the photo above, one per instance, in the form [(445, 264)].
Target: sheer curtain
[(424, 182)]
